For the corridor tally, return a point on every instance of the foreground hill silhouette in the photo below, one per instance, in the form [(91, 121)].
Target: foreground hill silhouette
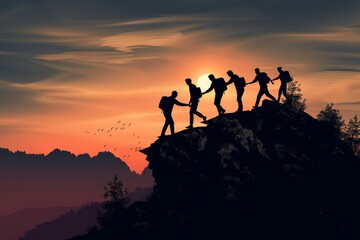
[(269, 173)]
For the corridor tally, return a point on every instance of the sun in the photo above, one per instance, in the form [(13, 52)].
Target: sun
[(204, 82)]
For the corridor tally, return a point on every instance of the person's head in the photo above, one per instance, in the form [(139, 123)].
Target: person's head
[(257, 70), (211, 77), (279, 69), (188, 81), (174, 94), (230, 73)]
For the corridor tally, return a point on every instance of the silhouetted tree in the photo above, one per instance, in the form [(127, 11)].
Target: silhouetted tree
[(295, 96), (352, 134), (114, 203), (333, 118)]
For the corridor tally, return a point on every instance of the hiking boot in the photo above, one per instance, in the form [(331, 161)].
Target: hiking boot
[(204, 119), (190, 126)]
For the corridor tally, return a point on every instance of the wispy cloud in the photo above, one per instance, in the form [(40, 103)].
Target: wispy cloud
[(126, 42)]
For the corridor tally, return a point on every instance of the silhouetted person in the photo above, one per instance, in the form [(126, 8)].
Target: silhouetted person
[(263, 80), (239, 83), (167, 104), (219, 85), (284, 77), (194, 102)]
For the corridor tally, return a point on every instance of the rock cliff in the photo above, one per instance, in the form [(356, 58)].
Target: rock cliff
[(269, 172)]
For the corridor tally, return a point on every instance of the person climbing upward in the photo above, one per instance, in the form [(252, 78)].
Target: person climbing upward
[(219, 85), (166, 105), (263, 80), (284, 77), (240, 84), (195, 95)]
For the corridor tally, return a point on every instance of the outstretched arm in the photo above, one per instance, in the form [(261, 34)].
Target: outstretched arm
[(278, 77), (231, 80), (180, 103), (209, 90), (253, 81)]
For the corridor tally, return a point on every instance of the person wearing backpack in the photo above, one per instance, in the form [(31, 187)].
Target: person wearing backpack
[(166, 105), (263, 80), (239, 83), (195, 95), (284, 77), (219, 85)]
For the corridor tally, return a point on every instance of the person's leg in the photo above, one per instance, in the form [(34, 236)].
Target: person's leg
[(258, 98), (285, 93), (172, 125), (166, 124), (199, 115), (217, 103), (279, 94), (239, 100), (195, 111), (220, 97), (191, 117), (269, 95)]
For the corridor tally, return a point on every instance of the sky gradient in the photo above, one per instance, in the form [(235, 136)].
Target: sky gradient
[(70, 68)]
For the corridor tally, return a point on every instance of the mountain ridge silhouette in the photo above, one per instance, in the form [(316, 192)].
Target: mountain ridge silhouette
[(60, 178)]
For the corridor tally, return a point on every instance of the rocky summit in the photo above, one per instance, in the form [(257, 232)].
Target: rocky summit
[(269, 173)]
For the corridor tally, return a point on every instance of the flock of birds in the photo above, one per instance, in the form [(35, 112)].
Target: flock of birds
[(111, 131)]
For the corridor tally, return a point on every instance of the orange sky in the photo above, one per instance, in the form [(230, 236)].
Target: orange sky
[(105, 71)]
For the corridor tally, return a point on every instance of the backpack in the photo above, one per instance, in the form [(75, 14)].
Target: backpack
[(198, 93), (286, 76), (242, 82), (164, 103), (266, 78), (222, 84)]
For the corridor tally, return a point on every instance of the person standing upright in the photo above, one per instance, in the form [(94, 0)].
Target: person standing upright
[(219, 85), (166, 105), (263, 80), (239, 83), (195, 94), (284, 77)]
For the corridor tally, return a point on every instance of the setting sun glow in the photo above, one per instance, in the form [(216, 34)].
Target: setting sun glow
[(204, 82)]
